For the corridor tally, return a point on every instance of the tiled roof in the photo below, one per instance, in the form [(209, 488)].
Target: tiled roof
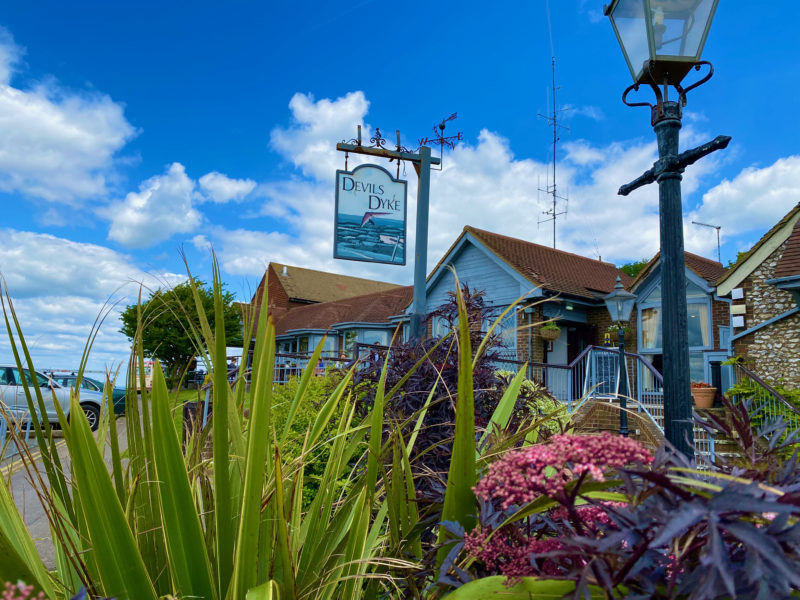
[(775, 229), (554, 270), (320, 286), (709, 270), (369, 308), (789, 264)]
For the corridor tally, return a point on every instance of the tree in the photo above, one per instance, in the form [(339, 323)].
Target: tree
[(169, 315), (635, 267)]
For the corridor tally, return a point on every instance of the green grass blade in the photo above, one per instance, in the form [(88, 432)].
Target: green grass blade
[(459, 500), (183, 536), (259, 433), (120, 565), (224, 519), (283, 555), (265, 591), (308, 372), (502, 414), (526, 589), (18, 556)]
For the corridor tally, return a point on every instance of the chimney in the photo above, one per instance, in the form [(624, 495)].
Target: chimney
[(285, 271)]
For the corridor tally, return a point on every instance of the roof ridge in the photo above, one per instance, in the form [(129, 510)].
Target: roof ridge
[(276, 264), (708, 260), (508, 237)]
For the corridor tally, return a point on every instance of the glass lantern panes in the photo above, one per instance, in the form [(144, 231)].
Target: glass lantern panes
[(670, 33), (679, 26)]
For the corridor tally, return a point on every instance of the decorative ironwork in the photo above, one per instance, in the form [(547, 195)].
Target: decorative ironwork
[(657, 86), (378, 141)]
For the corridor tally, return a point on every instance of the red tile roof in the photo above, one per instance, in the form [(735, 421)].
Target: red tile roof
[(554, 270), (369, 308), (789, 264), (709, 270)]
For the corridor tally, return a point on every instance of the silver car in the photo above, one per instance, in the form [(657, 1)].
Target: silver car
[(12, 397)]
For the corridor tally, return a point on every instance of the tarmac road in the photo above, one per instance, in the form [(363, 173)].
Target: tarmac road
[(26, 498)]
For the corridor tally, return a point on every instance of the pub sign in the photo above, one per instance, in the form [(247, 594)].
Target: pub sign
[(370, 216)]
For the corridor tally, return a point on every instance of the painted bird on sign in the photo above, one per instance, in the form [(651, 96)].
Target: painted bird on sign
[(368, 216)]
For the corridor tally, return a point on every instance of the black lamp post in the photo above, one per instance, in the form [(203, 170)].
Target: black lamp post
[(619, 304), (662, 41)]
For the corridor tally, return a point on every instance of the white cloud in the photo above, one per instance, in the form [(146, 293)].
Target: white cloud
[(221, 188), (162, 207), (316, 128), (754, 200), (59, 287), (56, 145)]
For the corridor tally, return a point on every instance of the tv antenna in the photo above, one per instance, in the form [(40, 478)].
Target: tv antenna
[(552, 120), (442, 140), (717, 227)]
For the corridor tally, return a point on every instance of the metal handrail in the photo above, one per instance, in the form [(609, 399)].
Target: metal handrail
[(767, 387)]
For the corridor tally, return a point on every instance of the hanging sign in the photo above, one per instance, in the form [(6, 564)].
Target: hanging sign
[(370, 216)]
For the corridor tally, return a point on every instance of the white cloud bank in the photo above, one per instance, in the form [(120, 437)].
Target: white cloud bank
[(59, 287), (56, 145), (161, 208)]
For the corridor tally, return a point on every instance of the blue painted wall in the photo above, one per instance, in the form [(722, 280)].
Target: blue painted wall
[(475, 267)]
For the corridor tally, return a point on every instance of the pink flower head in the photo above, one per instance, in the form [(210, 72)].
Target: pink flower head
[(513, 554), (523, 475)]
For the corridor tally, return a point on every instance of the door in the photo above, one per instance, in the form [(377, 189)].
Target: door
[(47, 395)]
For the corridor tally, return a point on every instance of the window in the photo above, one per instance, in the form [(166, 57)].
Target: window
[(303, 345), (698, 319), (350, 339)]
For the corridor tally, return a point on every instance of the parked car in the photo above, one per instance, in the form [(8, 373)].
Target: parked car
[(87, 383), (12, 396)]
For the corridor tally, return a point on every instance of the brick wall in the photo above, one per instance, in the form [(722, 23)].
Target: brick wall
[(600, 415), (773, 351), (526, 334), (602, 320), (720, 317)]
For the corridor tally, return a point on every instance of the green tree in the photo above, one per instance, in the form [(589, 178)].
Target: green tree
[(169, 315), (635, 267), (739, 256)]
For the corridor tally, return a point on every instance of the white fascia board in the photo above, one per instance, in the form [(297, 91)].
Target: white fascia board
[(751, 264)]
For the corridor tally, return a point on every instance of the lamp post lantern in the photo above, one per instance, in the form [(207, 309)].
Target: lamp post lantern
[(620, 304), (662, 41)]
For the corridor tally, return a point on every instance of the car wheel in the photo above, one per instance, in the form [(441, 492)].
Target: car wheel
[(92, 412)]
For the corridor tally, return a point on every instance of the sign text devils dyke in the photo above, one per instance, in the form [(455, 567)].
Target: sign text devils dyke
[(370, 216), (375, 192)]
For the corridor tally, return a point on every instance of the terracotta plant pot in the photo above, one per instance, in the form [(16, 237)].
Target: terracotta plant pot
[(549, 335), (704, 397)]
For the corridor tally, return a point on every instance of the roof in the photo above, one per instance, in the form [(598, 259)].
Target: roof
[(554, 270), (368, 308), (740, 264), (705, 268), (321, 286), (789, 264)]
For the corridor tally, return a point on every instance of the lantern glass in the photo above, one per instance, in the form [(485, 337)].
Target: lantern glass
[(620, 303), (666, 32)]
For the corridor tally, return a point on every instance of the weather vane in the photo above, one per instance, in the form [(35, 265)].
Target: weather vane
[(442, 140)]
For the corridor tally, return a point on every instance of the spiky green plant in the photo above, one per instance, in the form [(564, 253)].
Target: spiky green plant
[(165, 517)]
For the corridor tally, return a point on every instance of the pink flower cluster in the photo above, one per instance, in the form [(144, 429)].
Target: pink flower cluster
[(590, 516), (19, 591), (521, 476), (509, 552)]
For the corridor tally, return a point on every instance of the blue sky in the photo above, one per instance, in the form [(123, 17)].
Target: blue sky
[(129, 131)]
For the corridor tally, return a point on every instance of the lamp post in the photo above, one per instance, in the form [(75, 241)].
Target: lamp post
[(619, 304), (662, 41)]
